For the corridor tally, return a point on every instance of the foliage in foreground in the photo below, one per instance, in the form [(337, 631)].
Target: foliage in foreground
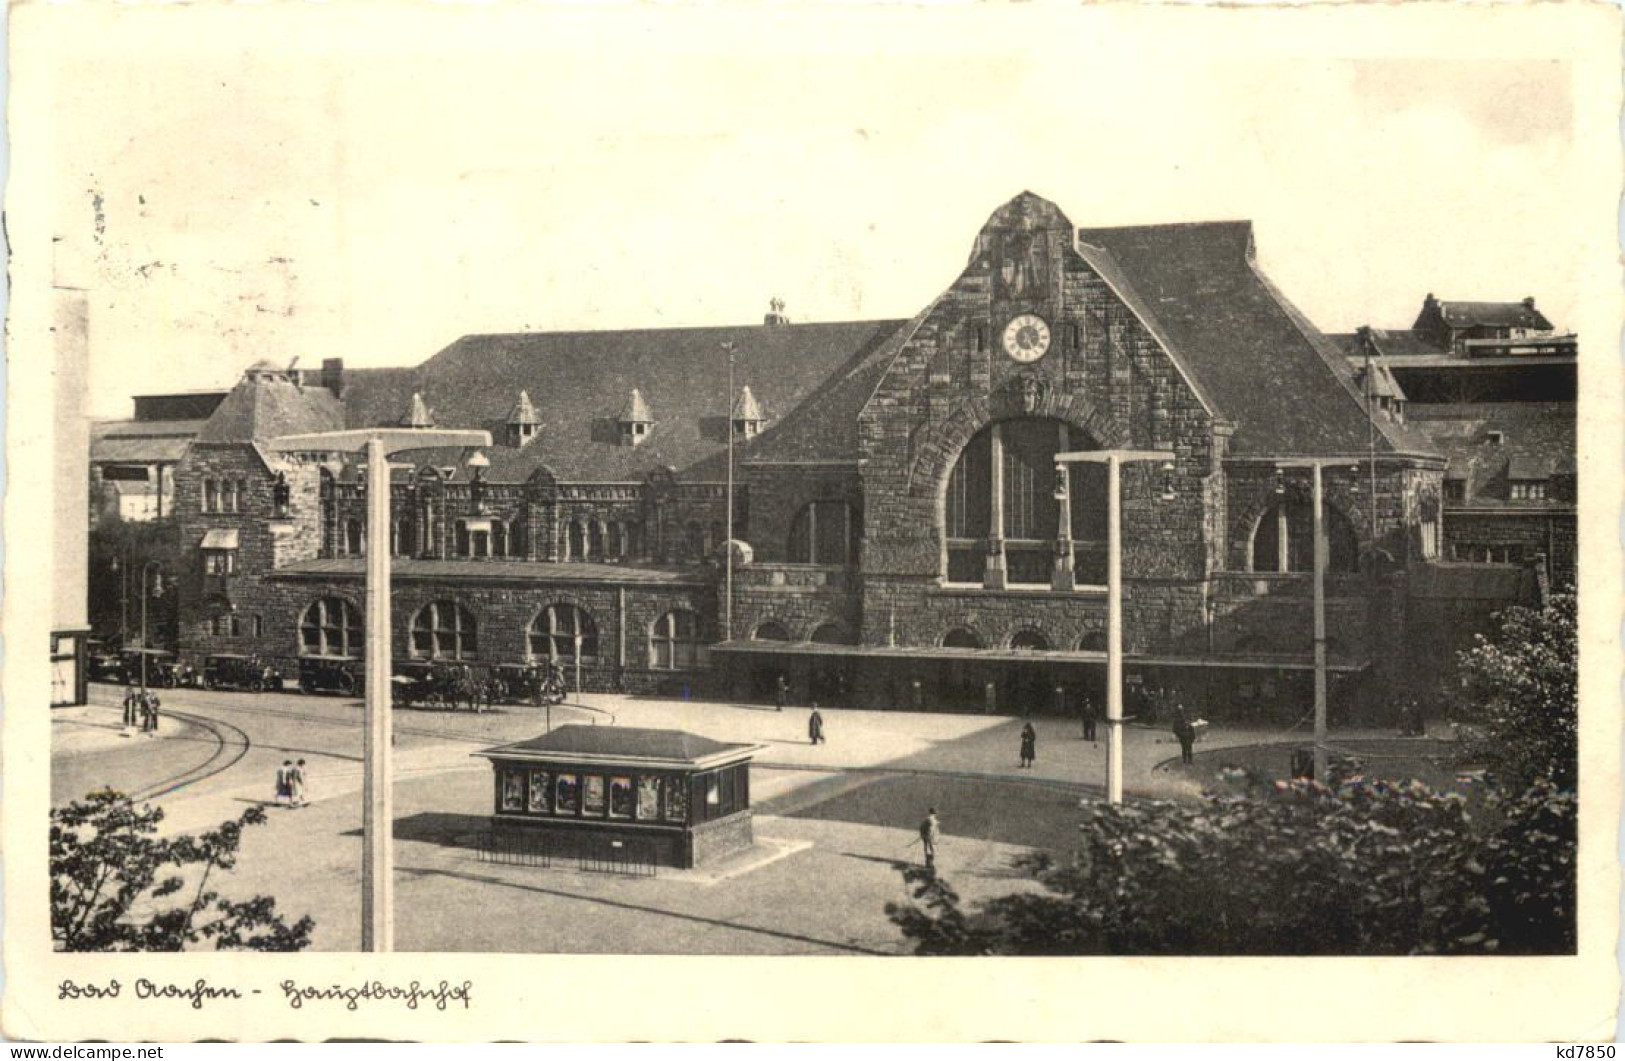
[(110, 877), (1370, 868), (1521, 695)]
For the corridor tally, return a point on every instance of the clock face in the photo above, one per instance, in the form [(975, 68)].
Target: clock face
[(1026, 337)]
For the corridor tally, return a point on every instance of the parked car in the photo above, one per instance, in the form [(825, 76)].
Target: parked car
[(230, 671), (104, 663), (319, 674), (528, 683), (160, 666)]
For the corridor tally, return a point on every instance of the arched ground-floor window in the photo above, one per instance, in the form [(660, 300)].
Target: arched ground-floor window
[(444, 630), (675, 642), (561, 633), (331, 626), (1283, 539)]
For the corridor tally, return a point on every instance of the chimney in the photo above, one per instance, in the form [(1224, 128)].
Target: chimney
[(1529, 302), (775, 317), (333, 375)]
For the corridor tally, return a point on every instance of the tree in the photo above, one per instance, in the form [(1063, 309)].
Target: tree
[(110, 875), (1520, 695), (1369, 868)]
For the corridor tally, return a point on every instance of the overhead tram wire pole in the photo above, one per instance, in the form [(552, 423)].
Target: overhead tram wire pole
[(1114, 460), (377, 855), (728, 543)]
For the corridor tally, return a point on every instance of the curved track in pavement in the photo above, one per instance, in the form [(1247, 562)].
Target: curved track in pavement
[(231, 745)]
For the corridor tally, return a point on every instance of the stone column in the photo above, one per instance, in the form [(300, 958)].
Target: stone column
[(994, 576)]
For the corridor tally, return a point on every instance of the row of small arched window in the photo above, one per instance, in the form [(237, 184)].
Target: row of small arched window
[(443, 629)]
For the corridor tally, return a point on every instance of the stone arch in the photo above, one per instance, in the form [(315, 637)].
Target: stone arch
[(939, 445), (831, 632), (1029, 637), (1092, 641), (771, 630), (961, 637)]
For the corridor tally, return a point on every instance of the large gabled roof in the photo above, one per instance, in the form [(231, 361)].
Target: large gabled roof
[(1490, 315), (1256, 360), (579, 383), (265, 405)]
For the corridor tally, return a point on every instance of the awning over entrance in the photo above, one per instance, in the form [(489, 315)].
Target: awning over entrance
[(220, 538), (1017, 655)]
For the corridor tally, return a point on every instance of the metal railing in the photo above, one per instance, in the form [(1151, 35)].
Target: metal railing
[(513, 849), (631, 860)]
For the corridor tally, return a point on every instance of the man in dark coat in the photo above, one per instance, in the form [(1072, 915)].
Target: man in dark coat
[(1091, 717), (815, 726), (1029, 746), (1185, 733)]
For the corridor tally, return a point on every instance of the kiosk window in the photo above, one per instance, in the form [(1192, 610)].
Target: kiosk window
[(513, 790), (568, 800), (621, 799), (648, 799), (677, 800), (539, 785), (592, 804)]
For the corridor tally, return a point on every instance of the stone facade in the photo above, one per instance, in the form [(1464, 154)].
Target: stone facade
[(919, 615)]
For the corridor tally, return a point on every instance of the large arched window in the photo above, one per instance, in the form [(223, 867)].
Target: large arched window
[(562, 633), (1283, 540), (444, 630), (825, 532), (1001, 512), (331, 627), (354, 542), (675, 643)]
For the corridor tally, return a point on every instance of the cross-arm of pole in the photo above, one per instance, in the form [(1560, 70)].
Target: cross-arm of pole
[(395, 439), (1101, 456)]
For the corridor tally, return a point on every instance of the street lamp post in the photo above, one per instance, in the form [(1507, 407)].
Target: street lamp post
[(157, 590), (377, 856), (728, 543), (1318, 502), (1114, 459)]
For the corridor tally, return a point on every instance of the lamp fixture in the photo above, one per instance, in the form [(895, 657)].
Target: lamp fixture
[(1168, 492)]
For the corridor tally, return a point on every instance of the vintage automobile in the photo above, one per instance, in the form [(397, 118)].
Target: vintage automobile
[(440, 684), (230, 671), (161, 666), (104, 663), (343, 676), (527, 683)]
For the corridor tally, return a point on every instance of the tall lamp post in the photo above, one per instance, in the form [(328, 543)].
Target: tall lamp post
[(377, 855), (728, 544), (1113, 459), (1318, 503)]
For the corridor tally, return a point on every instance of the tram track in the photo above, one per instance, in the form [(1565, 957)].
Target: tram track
[(230, 749)]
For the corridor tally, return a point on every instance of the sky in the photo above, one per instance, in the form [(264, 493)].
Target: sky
[(343, 181)]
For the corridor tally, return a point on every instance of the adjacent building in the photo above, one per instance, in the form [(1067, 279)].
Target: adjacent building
[(902, 534)]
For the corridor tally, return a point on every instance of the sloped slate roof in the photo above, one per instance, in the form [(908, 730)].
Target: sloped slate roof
[(264, 407), (1389, 342), (1493, 315), (138, 450), (672, 745), (1541, 433), (1252, 355), (578, 382)]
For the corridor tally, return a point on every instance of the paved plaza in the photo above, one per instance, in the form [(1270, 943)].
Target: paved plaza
[(834, 822)]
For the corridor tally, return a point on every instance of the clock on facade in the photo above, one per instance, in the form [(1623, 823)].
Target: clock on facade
[(1026, 337)]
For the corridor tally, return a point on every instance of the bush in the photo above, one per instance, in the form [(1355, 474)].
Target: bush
[(1372, 868), (107, 864)]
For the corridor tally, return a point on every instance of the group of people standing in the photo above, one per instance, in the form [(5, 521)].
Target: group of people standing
[(290, 784), (141, 708)]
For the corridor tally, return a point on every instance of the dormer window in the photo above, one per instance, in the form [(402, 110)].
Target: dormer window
[(1495, 438), (523, 423), (635, 420), (747, 415), (1526, 479)]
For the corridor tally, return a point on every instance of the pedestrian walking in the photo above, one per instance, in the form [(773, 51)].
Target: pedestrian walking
[(781, 693), (296, 785), (1029, 746), (1091, 717), (815, 726), (930, 828), (284, 782), (149, 713), (1185, 733), (132, 711)]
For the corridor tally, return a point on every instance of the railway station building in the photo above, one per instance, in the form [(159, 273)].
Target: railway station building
[(902, 537)]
